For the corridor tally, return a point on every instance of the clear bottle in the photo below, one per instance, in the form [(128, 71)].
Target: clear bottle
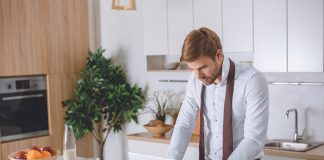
[(69, 147)]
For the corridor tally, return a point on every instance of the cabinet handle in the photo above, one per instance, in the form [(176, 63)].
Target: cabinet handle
[(21, 97), (298, 83), (172, 80)]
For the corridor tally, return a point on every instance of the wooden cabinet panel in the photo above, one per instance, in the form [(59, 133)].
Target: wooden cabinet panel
[(45, 37), (67, 35), (39, 31), (196, 130), (61, 87), (23, 42)]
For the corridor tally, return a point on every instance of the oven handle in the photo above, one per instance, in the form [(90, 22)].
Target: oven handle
[(21, 97)]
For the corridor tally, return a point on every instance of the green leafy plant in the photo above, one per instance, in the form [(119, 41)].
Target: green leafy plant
[(161, 105), (104, 100)]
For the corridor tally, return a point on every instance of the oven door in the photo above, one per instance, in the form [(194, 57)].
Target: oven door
[(23, 115)]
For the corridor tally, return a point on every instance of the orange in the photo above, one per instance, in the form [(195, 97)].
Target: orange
[(33, 154), (46, 154)]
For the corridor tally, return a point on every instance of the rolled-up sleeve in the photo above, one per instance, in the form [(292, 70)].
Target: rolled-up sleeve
[(256, 120), (185, 123)]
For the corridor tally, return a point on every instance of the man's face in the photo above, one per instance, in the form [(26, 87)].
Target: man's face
[(206, 69)]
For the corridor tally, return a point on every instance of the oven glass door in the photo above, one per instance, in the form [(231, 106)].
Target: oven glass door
[(23, 115)]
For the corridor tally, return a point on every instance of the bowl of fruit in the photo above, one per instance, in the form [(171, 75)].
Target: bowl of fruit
[(35, 152)]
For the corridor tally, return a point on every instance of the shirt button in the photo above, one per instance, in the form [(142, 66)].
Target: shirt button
[(216, 120), (215, 153), (214, 103), (216, 137)]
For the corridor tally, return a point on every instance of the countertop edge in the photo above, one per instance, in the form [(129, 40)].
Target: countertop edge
[(314, 154), (145, 136)]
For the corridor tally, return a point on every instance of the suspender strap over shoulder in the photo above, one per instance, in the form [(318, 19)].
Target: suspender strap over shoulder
[(227, 125), (201, 132)]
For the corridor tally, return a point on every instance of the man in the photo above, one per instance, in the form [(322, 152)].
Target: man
[(232, 99)]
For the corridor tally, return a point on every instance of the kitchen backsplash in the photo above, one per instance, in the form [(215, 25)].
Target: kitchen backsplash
[(307, 99)]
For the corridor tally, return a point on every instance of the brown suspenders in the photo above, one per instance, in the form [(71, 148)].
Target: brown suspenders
[(227, 125)]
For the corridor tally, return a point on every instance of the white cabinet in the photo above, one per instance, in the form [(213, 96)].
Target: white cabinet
[(165, 25), (288, 35), (142, 150), (208, 13), (305, 35), (270, 35), (237, 26), (180, 23), (137, 156), (155, 27)]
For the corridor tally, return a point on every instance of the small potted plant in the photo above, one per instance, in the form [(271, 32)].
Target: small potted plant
[(160, 106)]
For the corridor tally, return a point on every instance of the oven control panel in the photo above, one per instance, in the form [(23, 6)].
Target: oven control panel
[(22, 84)]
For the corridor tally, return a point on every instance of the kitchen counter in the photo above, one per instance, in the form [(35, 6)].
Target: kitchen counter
[(145, 136), (313, 154)]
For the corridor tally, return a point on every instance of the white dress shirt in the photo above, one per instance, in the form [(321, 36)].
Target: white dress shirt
[(250, 112)]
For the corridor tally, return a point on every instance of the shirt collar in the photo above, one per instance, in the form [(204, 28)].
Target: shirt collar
[(225, 70)]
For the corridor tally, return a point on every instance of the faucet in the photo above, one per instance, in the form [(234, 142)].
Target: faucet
[(297, 138)]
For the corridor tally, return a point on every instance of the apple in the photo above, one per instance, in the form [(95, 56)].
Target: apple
[(49, 149), (35, 148), (21, 155)]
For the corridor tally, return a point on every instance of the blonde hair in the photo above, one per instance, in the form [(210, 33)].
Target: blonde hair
[(200, 42)]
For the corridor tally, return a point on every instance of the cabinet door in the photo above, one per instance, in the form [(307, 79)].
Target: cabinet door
[(156, 150), (155, 27), (270, 35), (208, 13), (268, 157), (180, 23), (137, 156), (305, 36), (23, 37), (237, 26)]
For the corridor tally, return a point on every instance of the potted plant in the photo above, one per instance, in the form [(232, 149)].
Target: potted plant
[(104, 100), (160, 106)]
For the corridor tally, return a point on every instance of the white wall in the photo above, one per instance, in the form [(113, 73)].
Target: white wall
[(120, 33), (309, 101)]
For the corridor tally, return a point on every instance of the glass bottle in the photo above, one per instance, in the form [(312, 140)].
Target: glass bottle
[(69, 147)]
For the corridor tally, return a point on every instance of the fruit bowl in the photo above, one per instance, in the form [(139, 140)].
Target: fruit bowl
[(12, 155), (158, 131)]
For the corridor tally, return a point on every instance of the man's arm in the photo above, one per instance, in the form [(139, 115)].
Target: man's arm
[(185, 124), (256, 121)]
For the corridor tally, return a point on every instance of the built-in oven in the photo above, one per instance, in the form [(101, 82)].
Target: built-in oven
[(23, 107)]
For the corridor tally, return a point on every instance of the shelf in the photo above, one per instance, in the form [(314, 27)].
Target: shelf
[(165, 70), (155, 63)]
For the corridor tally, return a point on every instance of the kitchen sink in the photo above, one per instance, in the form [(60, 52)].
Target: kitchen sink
[(291, 146)]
